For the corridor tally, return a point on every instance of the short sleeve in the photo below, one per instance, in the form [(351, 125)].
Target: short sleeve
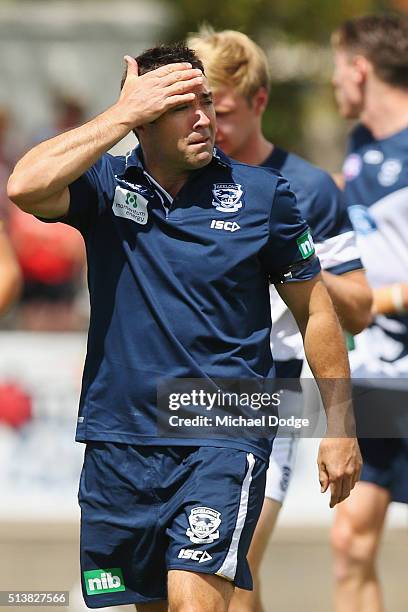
[(333, 233), (289, 254), (89, 195)]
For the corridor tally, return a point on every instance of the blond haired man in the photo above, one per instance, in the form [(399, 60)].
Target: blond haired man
[(238, 73)]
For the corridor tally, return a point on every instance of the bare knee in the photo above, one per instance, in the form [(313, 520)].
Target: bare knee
[(192, 592), (354, 546), (245, 601)]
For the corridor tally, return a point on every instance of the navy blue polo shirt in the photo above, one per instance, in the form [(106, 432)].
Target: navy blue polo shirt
[(179, 288)]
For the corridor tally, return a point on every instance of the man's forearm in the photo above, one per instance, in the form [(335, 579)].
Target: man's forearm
[(351, 299), (339, 457), (327, 356), (391, 299), (48, 169), (52, 165)]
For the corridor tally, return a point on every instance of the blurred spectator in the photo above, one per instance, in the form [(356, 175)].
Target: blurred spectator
[(52, 257), (10, 277), (8, 156), (69, 112)]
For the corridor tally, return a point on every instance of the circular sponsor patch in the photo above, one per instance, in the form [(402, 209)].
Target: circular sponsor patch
[(389, 173), (373, 156), (352, 166)]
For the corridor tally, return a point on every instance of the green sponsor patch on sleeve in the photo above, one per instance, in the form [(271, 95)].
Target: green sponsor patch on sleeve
[(101, 581), (305, 244)]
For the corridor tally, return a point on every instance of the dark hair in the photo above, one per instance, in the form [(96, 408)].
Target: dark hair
[(162, 55), (383, 40)]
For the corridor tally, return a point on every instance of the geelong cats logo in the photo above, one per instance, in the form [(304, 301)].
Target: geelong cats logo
[(204, 523), (227, 197)]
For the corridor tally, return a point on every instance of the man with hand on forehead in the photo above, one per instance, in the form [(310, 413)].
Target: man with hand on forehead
[(182, 243), (238, 73)]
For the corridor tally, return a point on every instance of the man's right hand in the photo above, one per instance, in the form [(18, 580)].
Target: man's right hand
[(144, 98)]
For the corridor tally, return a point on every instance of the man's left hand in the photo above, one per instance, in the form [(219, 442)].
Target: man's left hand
[(339, 461)]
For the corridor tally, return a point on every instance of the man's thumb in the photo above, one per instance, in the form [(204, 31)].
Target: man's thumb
[(323, 479), (132, 67)]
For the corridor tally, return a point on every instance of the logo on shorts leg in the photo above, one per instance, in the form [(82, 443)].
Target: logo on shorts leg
[(204, 523), (102, 581), (195, 555)]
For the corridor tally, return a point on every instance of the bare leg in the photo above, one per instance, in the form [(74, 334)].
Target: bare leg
[(356, 536), (250, 601), (191, 592)]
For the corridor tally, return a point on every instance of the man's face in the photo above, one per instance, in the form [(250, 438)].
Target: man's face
[(347, 81), (237, 121), (183, 137)]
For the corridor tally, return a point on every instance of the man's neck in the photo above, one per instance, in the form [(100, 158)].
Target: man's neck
[(386, 110), (256, 150), (170, 180)]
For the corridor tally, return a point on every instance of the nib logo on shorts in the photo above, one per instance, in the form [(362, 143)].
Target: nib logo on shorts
[(102, 581)]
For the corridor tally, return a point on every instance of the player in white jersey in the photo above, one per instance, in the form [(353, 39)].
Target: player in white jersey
[(371, 85), (238, 73)]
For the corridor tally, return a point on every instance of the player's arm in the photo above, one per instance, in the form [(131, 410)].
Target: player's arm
[(39, 182), (391, 299), (339, 457), (339, 256), (10, 275), (352, 299)]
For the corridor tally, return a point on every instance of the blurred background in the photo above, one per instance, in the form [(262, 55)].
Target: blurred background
[(60, 65)]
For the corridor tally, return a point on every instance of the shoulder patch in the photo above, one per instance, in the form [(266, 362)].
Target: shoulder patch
[(305, 244)]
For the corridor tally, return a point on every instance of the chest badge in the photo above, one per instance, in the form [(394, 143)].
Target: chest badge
[(130, 205), (227, 197)]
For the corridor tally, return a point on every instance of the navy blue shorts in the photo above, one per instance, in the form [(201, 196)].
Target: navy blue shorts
[(148, 509), (383, 410), (385, 463)]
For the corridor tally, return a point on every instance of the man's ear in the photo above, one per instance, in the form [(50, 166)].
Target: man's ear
[(362, 67), (260, 101)]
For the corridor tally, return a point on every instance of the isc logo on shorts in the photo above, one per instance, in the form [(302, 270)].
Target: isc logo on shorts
[(104, 581), (195, 555)]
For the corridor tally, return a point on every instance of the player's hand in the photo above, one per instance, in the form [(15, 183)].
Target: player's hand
[(339, 461), (144, 98)]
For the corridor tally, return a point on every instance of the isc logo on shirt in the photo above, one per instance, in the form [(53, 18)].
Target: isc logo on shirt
[(305, 245), (229, 226), (104, 581)]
